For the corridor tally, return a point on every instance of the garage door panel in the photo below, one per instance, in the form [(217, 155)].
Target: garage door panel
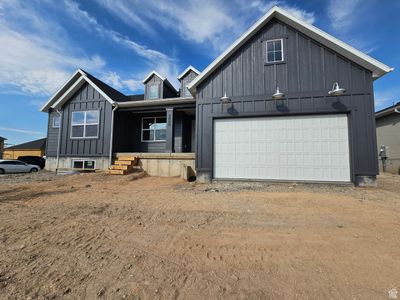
[(284, 148)]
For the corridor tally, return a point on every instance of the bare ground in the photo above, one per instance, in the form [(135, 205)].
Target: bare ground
[(91, 235)]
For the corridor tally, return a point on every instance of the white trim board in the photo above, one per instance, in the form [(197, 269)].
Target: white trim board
[(57, 101), (377, 68), (190, 68), (151, 74)]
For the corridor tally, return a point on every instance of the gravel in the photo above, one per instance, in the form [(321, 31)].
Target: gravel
[(42, 175)]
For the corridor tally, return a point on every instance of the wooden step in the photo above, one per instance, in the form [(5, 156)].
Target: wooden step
[(123, 162), (118, 167), (116, 172), (132, 158)]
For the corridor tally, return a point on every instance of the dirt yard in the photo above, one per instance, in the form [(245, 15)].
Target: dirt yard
[(96, 236)]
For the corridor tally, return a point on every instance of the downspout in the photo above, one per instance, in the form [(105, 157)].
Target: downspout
[(112, 135), (59, 139)]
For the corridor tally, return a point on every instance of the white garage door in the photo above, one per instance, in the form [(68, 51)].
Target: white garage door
[(313, 147)]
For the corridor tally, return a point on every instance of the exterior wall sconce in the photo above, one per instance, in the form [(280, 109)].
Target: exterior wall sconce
[(278, 95), (225, 99), (336, 90)]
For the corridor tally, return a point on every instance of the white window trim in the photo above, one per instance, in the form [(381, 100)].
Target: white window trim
[(158, 90), (151, 141), (266, 52), (54, 119), (83, 163), (84, 124)]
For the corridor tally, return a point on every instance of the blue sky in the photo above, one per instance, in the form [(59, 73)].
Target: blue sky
[(120, 41)]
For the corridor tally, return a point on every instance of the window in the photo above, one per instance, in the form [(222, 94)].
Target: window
[(153, 92), (274, 51), (56, 122), (85, 124), (83, 164), (154, 129)]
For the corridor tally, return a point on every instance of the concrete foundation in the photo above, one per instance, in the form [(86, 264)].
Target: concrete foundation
[(203, 177), (165, 164), (392, 166), (66, 162), (366, 181)]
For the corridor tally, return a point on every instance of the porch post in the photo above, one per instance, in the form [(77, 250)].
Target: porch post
[(169, 145)]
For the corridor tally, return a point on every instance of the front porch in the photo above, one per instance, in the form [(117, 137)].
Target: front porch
[(161, 138), (163, 164)]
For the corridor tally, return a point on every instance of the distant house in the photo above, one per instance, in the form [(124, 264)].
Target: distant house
[(2, 140), (33, 148), (388, 136), (286, 101)]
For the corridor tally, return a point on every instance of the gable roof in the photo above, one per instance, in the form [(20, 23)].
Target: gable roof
[(377, 68), (2, 138), (190, 68), (74, 83), (164, 79), (36, 144), (388, 111)]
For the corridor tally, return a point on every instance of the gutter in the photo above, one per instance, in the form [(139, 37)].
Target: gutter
[(167, 101), (59, 139), (112, 134)]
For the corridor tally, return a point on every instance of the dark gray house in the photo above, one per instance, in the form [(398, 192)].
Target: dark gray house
[(388, 134), (286, 101)]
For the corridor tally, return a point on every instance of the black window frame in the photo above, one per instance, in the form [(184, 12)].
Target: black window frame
[(154, 140)]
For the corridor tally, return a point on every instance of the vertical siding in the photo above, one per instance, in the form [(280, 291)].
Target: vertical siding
[(186, 80), (86, 98), (52, 135), (306, 75)]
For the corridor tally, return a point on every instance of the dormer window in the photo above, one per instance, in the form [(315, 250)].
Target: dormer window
[(154, 91), (274, 51)]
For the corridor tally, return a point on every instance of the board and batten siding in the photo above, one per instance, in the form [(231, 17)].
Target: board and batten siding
[(87, 98), (189, 76), (52, 135), (306, 75)]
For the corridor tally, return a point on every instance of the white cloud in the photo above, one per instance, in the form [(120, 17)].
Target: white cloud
[(198, 21), (35, 60), (25, 131), (157, 60), (342, 13), (302, 14), (115, 80)]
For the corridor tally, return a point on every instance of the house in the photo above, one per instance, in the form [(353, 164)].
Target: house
[(388, 135), (33, 148), (286, 101), (2, 142)]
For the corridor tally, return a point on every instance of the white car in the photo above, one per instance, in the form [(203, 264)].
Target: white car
[(16, 166)]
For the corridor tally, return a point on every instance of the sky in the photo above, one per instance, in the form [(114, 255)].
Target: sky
[(120, 41)]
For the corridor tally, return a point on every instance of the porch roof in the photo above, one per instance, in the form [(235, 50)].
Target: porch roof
[(157, 102)]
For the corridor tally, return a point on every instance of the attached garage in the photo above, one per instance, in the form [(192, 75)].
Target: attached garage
[(303, 147)]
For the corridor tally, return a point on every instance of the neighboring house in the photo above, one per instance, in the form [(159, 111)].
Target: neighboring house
[(33, 148), (388, 135), (266, 108), (2, 142)]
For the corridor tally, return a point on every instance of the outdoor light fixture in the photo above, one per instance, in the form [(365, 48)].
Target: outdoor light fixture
[(278, 95), (225, 99), (336, 90)]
